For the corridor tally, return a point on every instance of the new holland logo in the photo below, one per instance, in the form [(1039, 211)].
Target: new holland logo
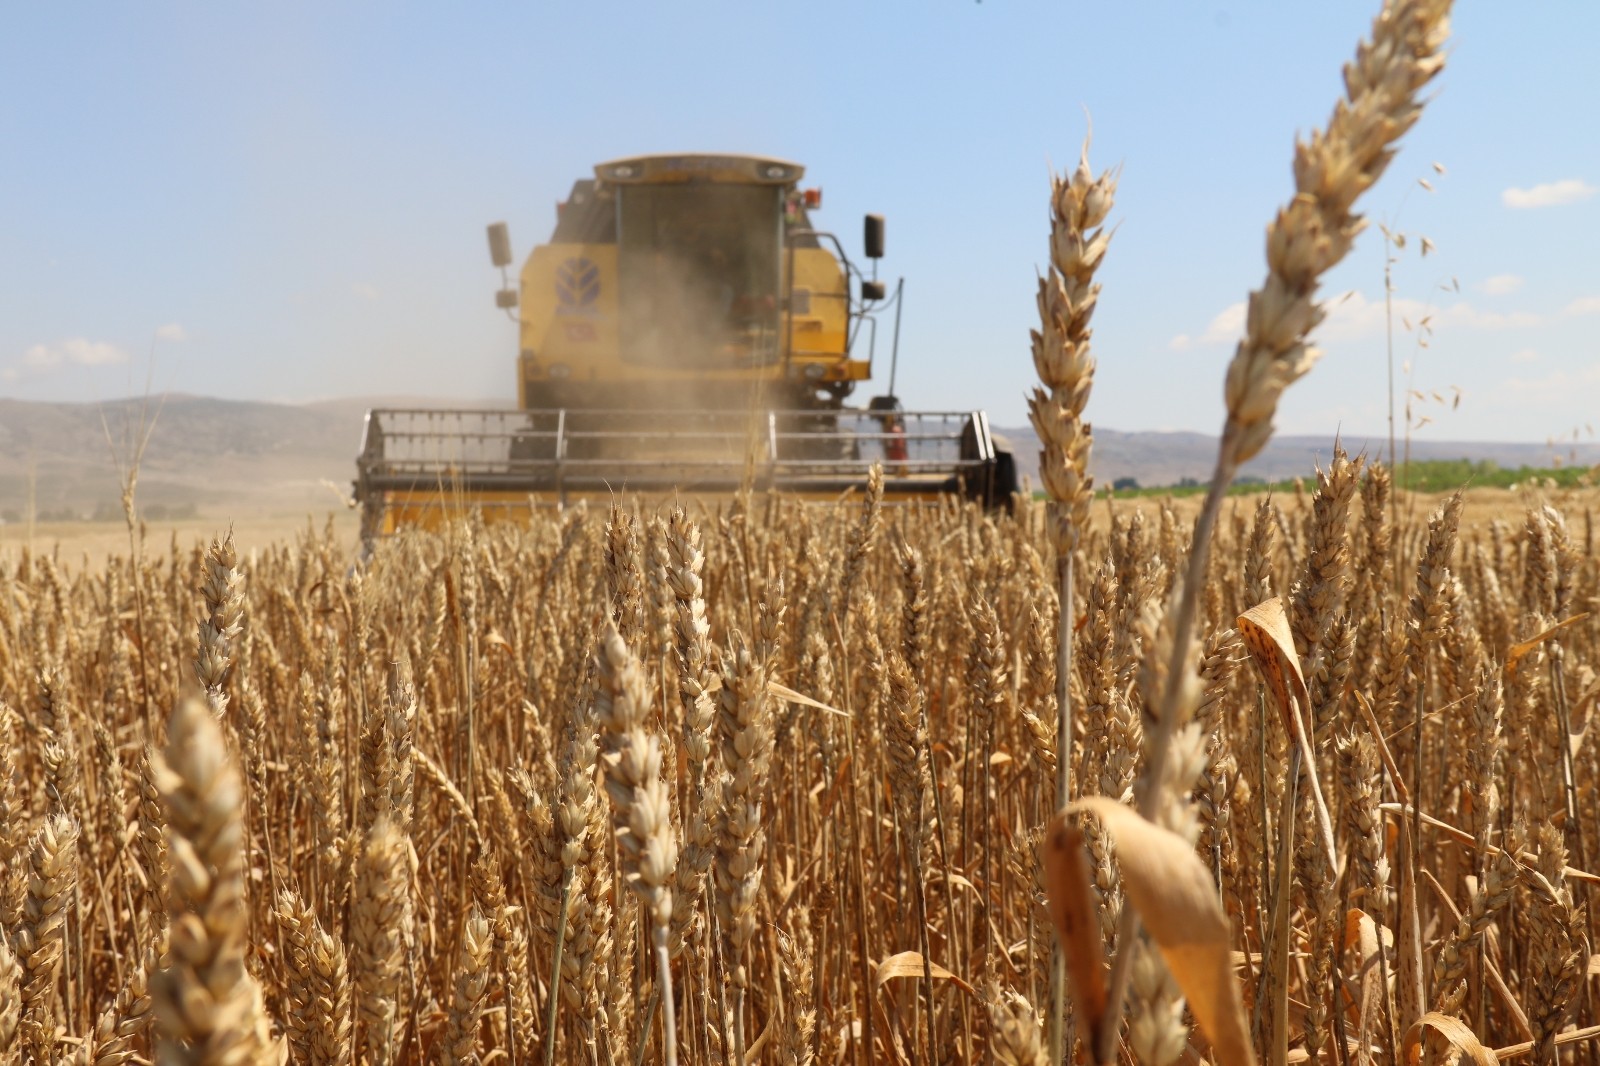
[(577, 287)]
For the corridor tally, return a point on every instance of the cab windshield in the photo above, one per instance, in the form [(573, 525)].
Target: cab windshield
[(699, 273)]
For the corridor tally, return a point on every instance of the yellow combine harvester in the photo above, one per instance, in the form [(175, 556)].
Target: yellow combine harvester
[(685, 330)]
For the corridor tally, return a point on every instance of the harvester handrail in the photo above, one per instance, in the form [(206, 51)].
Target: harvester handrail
[(511, 413)]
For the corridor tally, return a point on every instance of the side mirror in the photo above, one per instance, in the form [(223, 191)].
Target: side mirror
[(499, 244), (873, 290), (874, 236)]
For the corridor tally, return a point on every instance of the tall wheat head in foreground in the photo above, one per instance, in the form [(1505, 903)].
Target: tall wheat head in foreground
[(1067, 296), (1308, 237)]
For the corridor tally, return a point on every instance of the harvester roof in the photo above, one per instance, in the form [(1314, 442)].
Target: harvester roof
[(671, 169)]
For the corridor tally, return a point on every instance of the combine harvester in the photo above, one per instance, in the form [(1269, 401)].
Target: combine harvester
[(685, 331)]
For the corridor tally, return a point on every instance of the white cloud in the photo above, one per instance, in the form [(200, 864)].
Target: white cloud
[(1464, 314), (1587, 305), (1226, 328), (1524, 355), (1356, 317), (1558, 384), (1500, 284), (75, 351), (1550, 194), (173, 332), (366, 290), (1353, 317)]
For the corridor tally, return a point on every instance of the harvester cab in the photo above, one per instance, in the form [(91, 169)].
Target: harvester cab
[(686, 329)]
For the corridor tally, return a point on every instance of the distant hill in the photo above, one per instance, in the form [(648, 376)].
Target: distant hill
[(1155, 459), (220, 457), (202, 453), (208, 455)]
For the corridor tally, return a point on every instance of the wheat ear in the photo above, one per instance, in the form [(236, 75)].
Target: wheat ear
[(380, 931), (10, 994), (640, 803), (41, 940), (471, 981), (1067, 296), (222, 587), (318, 986), (208, 1007)]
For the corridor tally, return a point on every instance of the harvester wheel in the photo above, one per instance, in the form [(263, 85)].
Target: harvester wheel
[(1004, 484), (530, 447)]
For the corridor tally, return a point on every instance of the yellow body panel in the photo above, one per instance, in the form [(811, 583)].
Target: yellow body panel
[(820, 335), (575, 333)]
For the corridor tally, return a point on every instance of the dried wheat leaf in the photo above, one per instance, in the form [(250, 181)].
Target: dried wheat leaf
[(1070, 894), (1578, 727), (1175, 897), (784, 692), (1571, 1036), (910, 964), (1411, 992), (1453, 1030), (1361, 932), (1515, 653), (1461, 836)]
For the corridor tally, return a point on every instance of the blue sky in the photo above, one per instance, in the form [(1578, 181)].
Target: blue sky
[(287, 201)]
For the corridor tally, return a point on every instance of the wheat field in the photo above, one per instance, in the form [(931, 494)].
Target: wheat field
[(269, 796), (1296, 779)]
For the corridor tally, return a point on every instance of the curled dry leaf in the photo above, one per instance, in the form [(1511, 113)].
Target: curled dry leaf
[(1070, 894), (1265, 628), (1176, 899), (910, 964), (1453, 1030)]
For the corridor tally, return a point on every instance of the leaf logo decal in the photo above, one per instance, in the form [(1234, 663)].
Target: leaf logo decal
[(577, 284)]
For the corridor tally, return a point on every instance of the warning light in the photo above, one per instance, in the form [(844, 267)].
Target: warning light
[(813, 198)]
